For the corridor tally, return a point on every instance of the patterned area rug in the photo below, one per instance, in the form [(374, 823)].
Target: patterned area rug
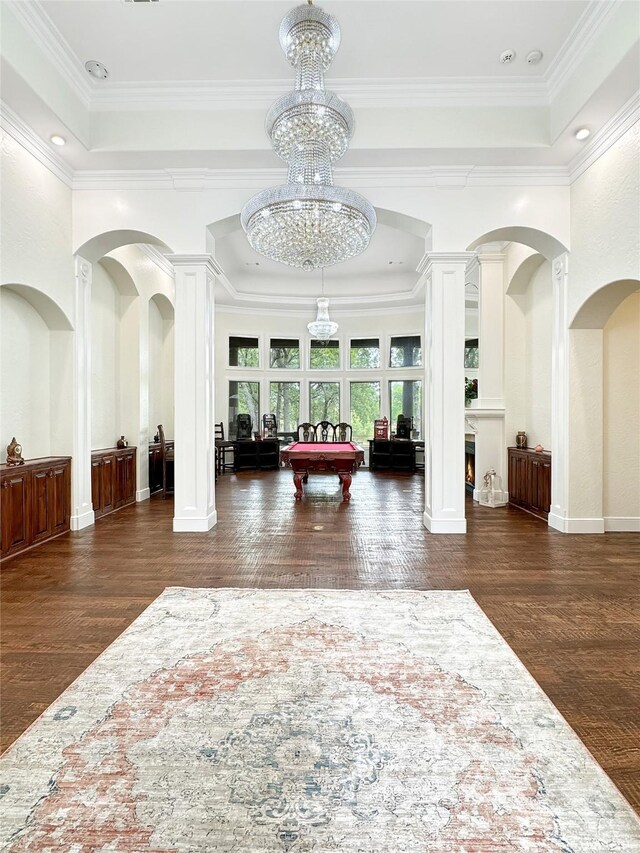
[(303, 722)]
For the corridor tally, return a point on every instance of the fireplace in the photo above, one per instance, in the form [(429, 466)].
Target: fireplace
[(469, 466)]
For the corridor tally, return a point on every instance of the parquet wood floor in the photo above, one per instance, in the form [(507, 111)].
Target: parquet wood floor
[(568, 605)]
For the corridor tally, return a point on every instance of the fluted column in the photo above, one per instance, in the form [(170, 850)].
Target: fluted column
[(444, 392), (194, 470)]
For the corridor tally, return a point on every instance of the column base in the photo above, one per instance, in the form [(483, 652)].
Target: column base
[(444, 525), (85, 519), (195, 525), (143, 495), (576, 525)]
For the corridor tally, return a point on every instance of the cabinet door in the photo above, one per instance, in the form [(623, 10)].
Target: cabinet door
[(15, 512), (96, 486), (108, 484), (130, 478), (59, 498), (120, 480), (40, 505), (540, 486)]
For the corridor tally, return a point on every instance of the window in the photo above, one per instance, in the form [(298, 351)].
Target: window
[(244, 352), (285, 353), (406, 351), (325, 355), (324, 402), (244, 399), (365, 408), (284, 402), (406, 399), (364, 352), (471, 352)]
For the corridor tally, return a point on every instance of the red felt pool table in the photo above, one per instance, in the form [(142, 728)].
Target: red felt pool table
[(342, 457)]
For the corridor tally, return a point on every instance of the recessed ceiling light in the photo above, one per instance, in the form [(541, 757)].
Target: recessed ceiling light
[(507, 56), (96, 69), (57, 140), (582, 133)]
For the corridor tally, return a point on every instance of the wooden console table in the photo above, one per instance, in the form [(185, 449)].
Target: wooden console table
[(530, 481), (113, 479), (36, 503)]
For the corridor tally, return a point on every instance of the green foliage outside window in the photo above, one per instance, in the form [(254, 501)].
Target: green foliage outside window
[(325, 355), (324, 402), (365, 408), (285, 353), (406, 399), (244, 399), (406, 351), (284, 402), (243, 352), (365, 353)]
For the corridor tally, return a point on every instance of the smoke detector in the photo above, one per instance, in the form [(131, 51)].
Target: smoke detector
[(96, 69), (507, 56), (534, 57)]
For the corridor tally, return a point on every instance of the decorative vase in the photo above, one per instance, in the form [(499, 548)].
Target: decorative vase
[(538, 448), (121, 442), (521, 440)]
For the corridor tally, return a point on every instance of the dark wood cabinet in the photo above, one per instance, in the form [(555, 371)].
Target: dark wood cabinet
[(262, 454), (392, 454), (155, 467), (113, 479), (36, 503), (530, 481)]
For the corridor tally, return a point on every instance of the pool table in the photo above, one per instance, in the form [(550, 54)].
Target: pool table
[(342, 457)]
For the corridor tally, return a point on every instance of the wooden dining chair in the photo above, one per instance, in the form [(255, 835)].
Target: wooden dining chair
[(343, 432), (167, 454), (306, 432), (325, 431), (224, 448)]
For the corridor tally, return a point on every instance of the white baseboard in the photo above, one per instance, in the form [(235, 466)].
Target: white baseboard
[(85, 519), (621, 524), (143, 495), (195, 525), (576, 525), (444, 525)]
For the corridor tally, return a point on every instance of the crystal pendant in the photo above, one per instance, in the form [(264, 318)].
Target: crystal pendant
[(322, 327)]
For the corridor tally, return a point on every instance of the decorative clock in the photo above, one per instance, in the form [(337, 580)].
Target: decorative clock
[(14, 453)]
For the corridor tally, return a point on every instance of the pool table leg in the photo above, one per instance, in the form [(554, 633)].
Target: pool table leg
[(345, 479), (298, 478)]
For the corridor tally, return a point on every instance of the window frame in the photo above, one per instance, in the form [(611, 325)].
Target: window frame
[(413, 334), (379, 338), (300, 366), (234, 367)]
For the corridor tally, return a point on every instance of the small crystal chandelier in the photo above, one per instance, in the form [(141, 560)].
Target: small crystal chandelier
[(308, 222), (322, 327)]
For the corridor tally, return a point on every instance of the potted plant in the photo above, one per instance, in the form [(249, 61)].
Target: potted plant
[(470, 390)]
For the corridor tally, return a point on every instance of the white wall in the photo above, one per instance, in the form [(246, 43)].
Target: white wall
[(105, 360), (538, 326), (161, 359), (605, 221), (24, 376), (621, 393)]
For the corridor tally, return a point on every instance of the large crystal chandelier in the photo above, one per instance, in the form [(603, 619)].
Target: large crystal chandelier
[(308, 222)]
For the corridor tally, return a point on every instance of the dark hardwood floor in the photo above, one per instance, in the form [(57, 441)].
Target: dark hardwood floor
[(568, 605)]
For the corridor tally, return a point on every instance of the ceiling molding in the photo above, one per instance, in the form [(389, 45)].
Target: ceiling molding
[(370, 177), (607, 136), (377, 92), (294, 312), (155, 256), (13, 125), (53, 45), (579, 41)]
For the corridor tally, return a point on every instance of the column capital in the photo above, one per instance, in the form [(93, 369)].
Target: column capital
[(206, 260), (446, 259)]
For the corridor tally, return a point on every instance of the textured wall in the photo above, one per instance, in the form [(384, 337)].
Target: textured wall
[(25, 362), (105, 360), (605, 221), (622, 411)]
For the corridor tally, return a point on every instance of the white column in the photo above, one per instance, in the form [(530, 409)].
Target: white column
[(82, 514), (194, 509), (444, 392), (486, 270), (559, 398)]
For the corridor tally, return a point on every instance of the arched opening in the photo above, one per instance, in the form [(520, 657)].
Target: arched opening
[(97, 247), (545, 244), (36, 356)]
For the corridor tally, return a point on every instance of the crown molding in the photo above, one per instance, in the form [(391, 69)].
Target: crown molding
[(607, 136), (579, 41), (156, 257), (53, 45), (370, 177), (296, 312), (12, 124), (377, 92)]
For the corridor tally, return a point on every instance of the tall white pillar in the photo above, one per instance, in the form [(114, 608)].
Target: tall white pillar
[(444, 392), (82, 514), (558, 513), (194, 471), (486, 413)]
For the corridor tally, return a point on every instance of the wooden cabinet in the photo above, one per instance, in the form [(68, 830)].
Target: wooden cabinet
[(155, 468), (262, 454), (113, 479), (392, 454), (36, 503), (530, 481)]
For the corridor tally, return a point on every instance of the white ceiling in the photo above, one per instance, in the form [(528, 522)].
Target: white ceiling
[(192, 40), (191, 80)]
